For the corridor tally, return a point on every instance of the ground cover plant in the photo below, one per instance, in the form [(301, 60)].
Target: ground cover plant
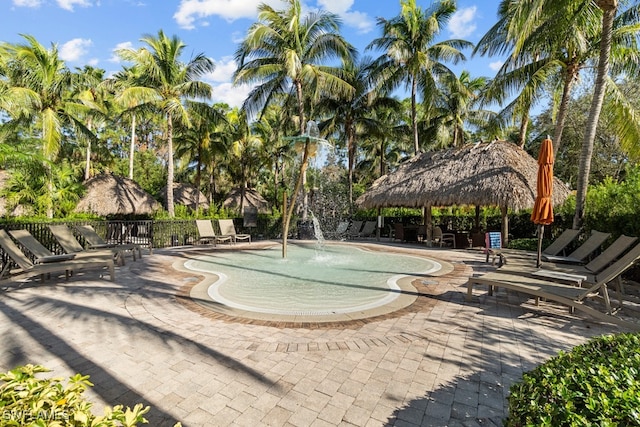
[(597, 383), (29, 401)]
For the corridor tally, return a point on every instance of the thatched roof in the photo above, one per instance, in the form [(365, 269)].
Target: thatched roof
[(109, 194), (497, 173), (185, 194), (251, 198)]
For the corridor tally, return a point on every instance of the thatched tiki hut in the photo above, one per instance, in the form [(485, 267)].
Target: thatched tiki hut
[(186, 194), (496, 173), (109, 194), (252, 198)]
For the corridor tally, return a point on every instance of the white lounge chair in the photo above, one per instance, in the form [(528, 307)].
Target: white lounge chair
[(208, 235), (227, 228)]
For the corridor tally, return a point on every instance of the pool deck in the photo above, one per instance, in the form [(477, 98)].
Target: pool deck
[(439, 362)]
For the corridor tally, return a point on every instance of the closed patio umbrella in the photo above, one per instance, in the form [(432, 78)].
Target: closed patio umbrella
[(542, 213)]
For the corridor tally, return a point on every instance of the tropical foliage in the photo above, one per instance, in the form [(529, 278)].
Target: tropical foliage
[(153, 120)]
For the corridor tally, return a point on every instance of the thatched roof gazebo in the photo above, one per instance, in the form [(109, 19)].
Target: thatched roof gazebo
[(251, 198), (185, 194), (497, 173), (109, 194)]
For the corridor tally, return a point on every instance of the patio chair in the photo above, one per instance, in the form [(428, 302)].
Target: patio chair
[(339, 232), (26, 268), (440, 238), (354, 229), (40, 253), (94, 241), (567, 289), (561, 242), (66, 239), (585, 250), (227, 228), (207, 234), (368, 229)]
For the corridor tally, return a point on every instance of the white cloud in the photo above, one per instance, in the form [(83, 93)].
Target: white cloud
[(75, 49), (191, 11), (232, 95), (224, 70), (358, 20), (123, 45), (69, 4), (495, 66), (461, 24), (27, 3)]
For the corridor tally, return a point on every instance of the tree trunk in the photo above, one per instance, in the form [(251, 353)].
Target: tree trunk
[(414, 116), (609, 12), (351, 150), (289, 211), (522, 135), (564, 107), (198, 178), (87, 166), (132, 145), (303, 170), (170, 207)]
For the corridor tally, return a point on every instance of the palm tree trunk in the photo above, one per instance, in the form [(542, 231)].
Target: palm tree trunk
[(414, 116), (351, 149), (303, 170), (564, 107), (132, 145), (289, 211), (609, 11), (198, 178), (87, 166), (522, 135), (170, 207)]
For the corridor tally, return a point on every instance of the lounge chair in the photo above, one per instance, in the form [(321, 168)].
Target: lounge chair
[(353, 231), (207, 234), (40, 253), (94, 241), (227, 228), (71, 245), (578, 256), (567, 289), (26, 268), (339, 232), (561, 242), (368, 229)]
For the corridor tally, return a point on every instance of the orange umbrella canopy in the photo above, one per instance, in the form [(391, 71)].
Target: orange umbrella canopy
[(543, 208)]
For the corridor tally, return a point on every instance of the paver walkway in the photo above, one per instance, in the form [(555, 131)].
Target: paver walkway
[(444, 363)]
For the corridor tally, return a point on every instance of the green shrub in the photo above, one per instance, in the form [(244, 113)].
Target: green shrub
[(29, 401), (597, 383)]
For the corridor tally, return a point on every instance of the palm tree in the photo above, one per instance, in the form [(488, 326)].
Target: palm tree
[(354, 114), (411, 55), (455, 107), (285, 53), (37, 92), (168, 81), (195, 143)]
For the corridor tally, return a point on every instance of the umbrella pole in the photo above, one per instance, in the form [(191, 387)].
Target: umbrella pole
[(540, 234)]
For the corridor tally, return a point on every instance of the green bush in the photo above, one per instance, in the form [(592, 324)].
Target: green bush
[(597, 383), (29, 401)]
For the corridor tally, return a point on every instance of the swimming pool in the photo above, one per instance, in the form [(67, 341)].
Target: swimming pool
[(339, 279)]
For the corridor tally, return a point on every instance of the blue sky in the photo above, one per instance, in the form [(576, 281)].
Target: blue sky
[(88, 31)]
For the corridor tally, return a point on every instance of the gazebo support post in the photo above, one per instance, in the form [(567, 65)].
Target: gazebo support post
[(426, 214), (379, 225), (505, 225)]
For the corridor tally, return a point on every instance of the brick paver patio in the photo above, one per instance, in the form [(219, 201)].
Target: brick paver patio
[(440, 362)]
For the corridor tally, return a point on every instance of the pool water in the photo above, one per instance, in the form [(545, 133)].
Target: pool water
[(336, 279)]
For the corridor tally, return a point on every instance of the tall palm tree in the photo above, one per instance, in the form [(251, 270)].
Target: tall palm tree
[(38, 92), (169, 81), (455, 107), (353, 114), (287, 53), (411, 54), (195, 143)]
